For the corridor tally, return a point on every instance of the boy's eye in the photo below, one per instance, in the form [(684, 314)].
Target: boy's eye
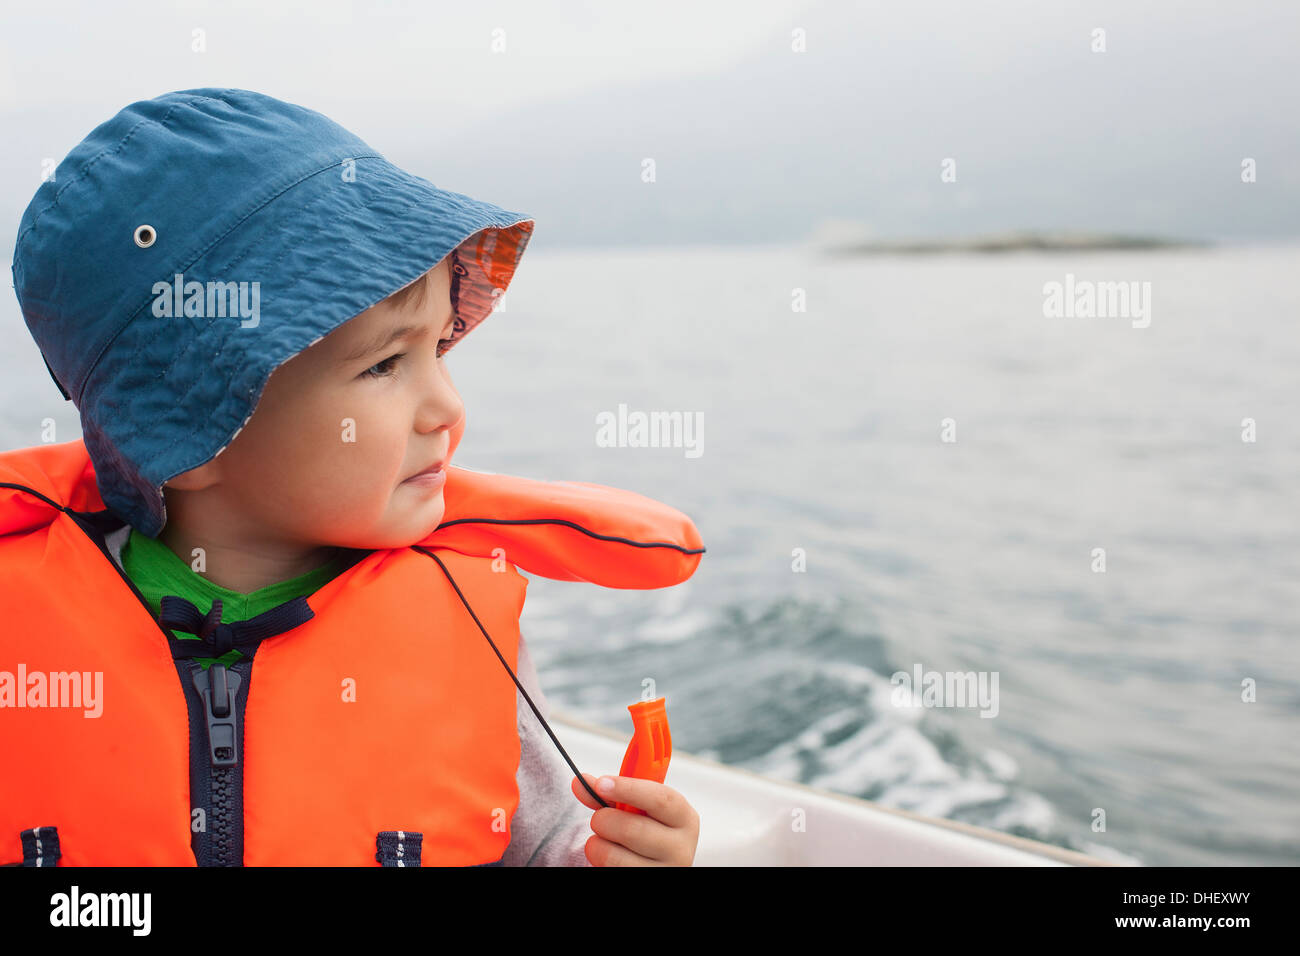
[(385, 368)]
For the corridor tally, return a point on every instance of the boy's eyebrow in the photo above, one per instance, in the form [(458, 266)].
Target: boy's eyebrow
[(380, 341), (384, 339)]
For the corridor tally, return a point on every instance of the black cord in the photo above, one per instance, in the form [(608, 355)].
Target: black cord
[(545, 725)]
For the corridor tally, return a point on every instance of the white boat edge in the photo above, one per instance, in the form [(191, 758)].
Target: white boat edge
[(747, 819)]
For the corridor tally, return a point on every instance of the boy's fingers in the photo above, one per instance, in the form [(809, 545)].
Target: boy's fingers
[(660, 802), (581, 793)]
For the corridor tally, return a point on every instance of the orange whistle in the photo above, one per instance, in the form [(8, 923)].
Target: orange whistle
[(651, 746)]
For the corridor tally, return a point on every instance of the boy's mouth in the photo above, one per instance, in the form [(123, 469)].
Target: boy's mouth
[(432, 473)]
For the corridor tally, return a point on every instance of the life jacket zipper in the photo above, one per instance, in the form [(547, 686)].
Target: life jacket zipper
[(218, 692)]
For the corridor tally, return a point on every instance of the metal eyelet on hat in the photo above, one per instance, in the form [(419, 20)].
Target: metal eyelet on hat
[(145, 236)]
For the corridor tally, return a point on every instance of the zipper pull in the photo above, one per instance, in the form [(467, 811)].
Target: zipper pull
[(217, 688)]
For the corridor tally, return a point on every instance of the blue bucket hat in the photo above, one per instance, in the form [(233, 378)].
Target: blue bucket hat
[(194, 242)]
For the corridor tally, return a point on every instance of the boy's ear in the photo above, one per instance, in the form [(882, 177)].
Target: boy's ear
[(196, 479)]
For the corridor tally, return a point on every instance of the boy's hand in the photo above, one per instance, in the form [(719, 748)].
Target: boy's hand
[(665, 837)]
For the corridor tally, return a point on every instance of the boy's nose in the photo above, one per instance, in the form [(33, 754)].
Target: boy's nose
[(440, 403)]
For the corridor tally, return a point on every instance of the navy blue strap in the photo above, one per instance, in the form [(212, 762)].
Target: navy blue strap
[(399, 847), (41, 846), (215, 638)]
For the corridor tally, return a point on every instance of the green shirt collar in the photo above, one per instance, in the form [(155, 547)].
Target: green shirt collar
[(157, 571)]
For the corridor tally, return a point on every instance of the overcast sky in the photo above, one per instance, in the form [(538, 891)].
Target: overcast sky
[(751, 140)]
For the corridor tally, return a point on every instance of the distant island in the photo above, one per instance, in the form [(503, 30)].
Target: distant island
[(1015, 242)]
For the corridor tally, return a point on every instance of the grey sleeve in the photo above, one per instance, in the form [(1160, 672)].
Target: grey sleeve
[(550, 827)]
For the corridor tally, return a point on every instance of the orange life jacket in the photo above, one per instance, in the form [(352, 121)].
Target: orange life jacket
[(381, 729)]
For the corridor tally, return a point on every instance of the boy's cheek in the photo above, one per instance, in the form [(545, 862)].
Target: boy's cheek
[(457, 430)]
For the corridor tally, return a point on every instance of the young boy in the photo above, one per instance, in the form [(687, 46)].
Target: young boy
[(256, 616)]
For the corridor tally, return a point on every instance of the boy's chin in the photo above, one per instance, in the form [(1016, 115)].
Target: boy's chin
[(415, 529), (430, 517)]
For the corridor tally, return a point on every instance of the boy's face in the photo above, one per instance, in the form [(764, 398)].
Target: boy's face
[(324, 457)]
